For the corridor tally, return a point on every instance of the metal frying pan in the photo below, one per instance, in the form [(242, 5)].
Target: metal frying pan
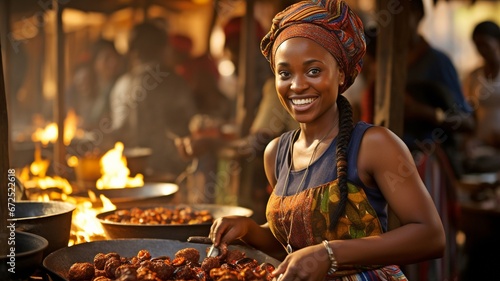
[(59, 262), (148, 190), (146, 194)]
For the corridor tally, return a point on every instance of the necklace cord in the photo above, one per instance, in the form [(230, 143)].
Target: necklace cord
[(286, 186)]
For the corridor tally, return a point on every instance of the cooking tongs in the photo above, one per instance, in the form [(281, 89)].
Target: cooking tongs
[(212, 251)]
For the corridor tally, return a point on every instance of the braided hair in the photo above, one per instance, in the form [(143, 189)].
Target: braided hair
[(343, 138)]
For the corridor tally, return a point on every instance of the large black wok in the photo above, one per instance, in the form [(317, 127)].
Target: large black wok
[(59, 262), (51, 220), (180, 232)]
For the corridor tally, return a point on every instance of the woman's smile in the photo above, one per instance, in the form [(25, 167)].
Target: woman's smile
[(305, 101)]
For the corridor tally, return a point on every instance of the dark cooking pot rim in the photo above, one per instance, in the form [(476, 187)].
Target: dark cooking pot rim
[(208, 207), (44, 243), (68, 208)]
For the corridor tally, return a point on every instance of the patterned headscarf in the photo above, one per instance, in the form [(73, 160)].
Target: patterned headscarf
[(330, 23)]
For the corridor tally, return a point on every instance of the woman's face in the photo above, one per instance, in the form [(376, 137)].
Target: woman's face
[(307, 78), (488, 47)]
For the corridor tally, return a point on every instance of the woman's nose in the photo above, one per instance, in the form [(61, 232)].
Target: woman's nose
[(298, 84)]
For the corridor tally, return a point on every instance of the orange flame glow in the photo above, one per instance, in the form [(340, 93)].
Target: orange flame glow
[(115, 173), (36, 176), (50, 133)]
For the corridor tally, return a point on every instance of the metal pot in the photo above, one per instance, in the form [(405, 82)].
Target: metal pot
[(137, 159), (26, 258), (180, 232), (51, 220), (59, 262)]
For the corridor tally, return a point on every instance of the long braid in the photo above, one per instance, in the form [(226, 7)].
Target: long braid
[(344, 136)]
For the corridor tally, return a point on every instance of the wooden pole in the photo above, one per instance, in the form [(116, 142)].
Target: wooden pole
[(5, 171), (59, 162), (246, 76), (5, 31), (392, 49)]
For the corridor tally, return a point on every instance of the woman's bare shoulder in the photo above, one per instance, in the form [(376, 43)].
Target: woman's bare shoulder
[(379, 135), (380, 143)]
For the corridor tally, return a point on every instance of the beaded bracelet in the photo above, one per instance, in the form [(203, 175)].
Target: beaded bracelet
[(333, 261)]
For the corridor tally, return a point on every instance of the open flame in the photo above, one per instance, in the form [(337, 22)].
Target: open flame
[(115, 173), (70, 127), (40, 187), (36, 175), (85, 226), (50, 133)]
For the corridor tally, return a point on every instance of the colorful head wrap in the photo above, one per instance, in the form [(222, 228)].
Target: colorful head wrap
[(330, 23)]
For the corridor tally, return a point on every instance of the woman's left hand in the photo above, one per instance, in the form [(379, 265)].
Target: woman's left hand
[(309, 263)]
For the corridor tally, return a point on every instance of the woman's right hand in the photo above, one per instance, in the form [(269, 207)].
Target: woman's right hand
[(230, 228)]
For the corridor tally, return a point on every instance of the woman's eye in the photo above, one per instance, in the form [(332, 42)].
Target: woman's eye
[(314, 71), (283, 74)]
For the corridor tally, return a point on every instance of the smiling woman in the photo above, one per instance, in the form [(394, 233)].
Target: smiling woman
[(331, 192)]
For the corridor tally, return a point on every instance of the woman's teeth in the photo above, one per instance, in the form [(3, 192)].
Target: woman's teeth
[(302, 101)]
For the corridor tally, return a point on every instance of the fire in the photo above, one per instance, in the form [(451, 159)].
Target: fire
[(85, 226), (46, 135), (35, 175), (70, 127), (40, 187), (115, 173), (50, 133)]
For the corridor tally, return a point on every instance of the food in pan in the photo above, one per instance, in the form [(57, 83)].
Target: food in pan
[(161, 215), (186, 265)]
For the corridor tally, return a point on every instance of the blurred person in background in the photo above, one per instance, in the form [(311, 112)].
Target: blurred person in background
[(482, 88), (482, 146), (428, 64), (202, 76), (436, 117), (213, 110), (89, 92), (151, 101)]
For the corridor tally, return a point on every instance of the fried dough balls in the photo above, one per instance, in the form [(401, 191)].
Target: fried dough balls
[(190, 254), (185, 266), (81, 271)]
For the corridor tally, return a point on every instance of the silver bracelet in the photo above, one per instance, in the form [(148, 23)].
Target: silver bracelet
[(333, 261)]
